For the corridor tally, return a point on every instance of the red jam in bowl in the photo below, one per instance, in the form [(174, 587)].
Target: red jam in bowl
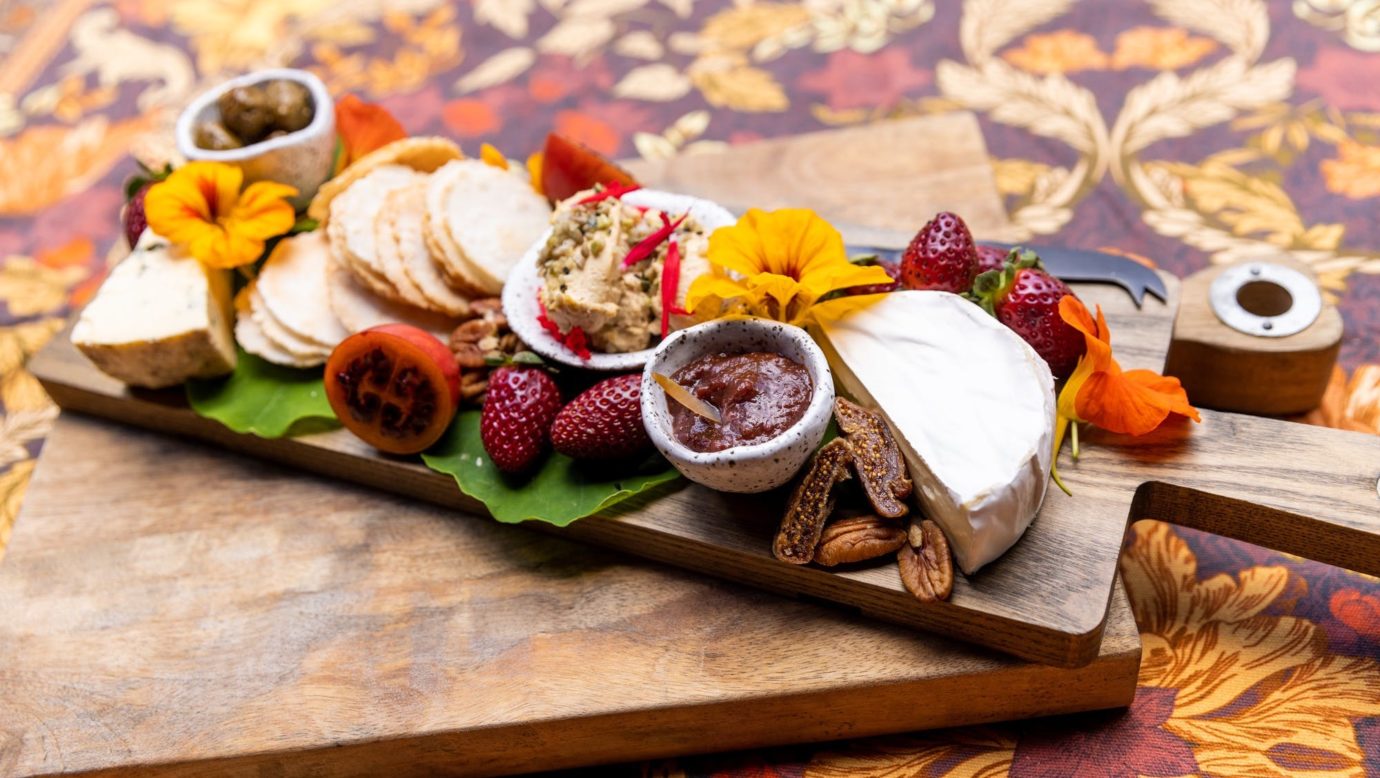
[(759, 396)]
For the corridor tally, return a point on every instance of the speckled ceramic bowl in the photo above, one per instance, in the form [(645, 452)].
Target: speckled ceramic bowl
[(756, 468), (302, 159)]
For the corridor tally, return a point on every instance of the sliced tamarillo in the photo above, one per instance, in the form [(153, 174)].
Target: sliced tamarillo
[(394, 386)]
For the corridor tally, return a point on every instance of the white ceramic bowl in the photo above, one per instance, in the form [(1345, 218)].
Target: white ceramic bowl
[(522, 290), (302, 159), (756, 468)]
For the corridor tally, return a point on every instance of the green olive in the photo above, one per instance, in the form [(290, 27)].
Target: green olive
[(212, 135), (291, 104), (245, 111)]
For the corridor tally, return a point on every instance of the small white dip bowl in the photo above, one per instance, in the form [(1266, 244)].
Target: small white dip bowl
[(302, 159), (756, 468)]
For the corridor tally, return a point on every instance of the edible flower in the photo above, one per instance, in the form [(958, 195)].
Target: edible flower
[(534, 163), (576, 340), (778, 264), (200, 207), (363, 127), (670, 286), (613, 190), (1098, 392), (647, 245), (491, 156)]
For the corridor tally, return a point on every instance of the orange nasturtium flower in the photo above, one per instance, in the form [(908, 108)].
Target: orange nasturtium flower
[(363, 127), (490, 155), (1099, 392), (201, 208), (777, 264)]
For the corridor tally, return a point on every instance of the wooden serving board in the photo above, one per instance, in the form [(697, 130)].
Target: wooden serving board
[(171, 609), (1304, 490)]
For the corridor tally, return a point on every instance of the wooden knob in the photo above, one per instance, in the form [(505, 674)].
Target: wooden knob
[(1255, 337)]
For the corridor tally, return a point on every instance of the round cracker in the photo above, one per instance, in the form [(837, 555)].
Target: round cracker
[(417, 261), (421, 154), (351, 231), (493, 217), (359, 309), (292, 284), (252, 339), (281, 336), (398, 205), (438, 240)]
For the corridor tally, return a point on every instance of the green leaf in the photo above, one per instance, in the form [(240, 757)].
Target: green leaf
[(304, 224), (264, 399), (559, 492)]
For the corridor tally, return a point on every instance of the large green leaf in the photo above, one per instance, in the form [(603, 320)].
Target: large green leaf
[(264, 399), (560, 492)]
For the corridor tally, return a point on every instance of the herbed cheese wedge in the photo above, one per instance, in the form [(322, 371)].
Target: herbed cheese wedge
[(160, 318), (970, 403)]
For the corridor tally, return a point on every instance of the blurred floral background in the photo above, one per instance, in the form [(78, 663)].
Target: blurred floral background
[(1187, 131)]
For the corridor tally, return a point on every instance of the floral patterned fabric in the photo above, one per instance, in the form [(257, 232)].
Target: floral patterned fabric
[(1189, 131)]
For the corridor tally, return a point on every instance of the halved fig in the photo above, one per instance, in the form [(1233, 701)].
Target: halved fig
[(395, 386), (568, 167)]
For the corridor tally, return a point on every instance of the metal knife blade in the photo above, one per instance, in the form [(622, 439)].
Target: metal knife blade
[(1078, 265)]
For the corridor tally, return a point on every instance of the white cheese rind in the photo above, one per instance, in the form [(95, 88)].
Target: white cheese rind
[(160, 318), (971, 405)]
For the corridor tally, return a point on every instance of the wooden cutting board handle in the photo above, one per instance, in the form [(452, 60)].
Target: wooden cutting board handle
[(1315, 496)]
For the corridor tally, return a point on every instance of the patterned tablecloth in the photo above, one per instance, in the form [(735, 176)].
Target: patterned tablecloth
[(1189, 131)]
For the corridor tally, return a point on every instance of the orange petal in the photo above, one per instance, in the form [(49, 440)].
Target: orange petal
[(534, 161), (1133, 403), (364, 127), (491, 156), (263, 211), (1095, 333)]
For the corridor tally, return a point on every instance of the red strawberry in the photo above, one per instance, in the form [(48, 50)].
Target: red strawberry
[(1024, 297), (941, 256), (519, 407), (991, 258), (604, 422), (892, 269), (135, 220)]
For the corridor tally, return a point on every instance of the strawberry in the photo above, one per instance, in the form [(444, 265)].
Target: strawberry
[(603, 422), (991, 258), (892, 269), (941, 256), (135, 220), (1025, 297), (519, 406)]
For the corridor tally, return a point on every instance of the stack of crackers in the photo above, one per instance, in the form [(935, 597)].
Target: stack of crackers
[(413, 233)]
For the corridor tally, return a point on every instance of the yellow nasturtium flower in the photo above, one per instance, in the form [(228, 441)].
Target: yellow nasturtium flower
[(201, 208), (778, 264)]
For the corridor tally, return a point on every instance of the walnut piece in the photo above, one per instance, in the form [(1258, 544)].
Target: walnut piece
[(927, 569), (876, 458), (811, 503), (857, 539), (483, 335)]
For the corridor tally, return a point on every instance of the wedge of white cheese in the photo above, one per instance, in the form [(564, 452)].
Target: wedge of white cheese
[(160, 318), (970, 403)]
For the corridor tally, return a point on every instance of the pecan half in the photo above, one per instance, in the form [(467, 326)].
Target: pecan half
[(858, 538), (927, 569), (876, 458), (811, 503)]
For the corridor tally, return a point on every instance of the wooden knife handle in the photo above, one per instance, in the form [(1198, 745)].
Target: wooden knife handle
[(1296, 488)]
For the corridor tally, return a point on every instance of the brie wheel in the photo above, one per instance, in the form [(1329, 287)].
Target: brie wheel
[(970, 403)]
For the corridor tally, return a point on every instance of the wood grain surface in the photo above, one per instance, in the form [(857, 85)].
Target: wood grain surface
[(891, 175), (170, 609), (1045, 600)]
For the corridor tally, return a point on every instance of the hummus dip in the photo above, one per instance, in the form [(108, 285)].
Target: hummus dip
[(584, 281)]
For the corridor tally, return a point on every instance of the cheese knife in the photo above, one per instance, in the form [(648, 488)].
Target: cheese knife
[(1076, 265)]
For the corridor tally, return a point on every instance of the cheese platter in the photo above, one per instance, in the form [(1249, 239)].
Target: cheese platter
[(995, 361)]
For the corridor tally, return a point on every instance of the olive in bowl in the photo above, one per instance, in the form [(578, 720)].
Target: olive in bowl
[(275, 125)]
